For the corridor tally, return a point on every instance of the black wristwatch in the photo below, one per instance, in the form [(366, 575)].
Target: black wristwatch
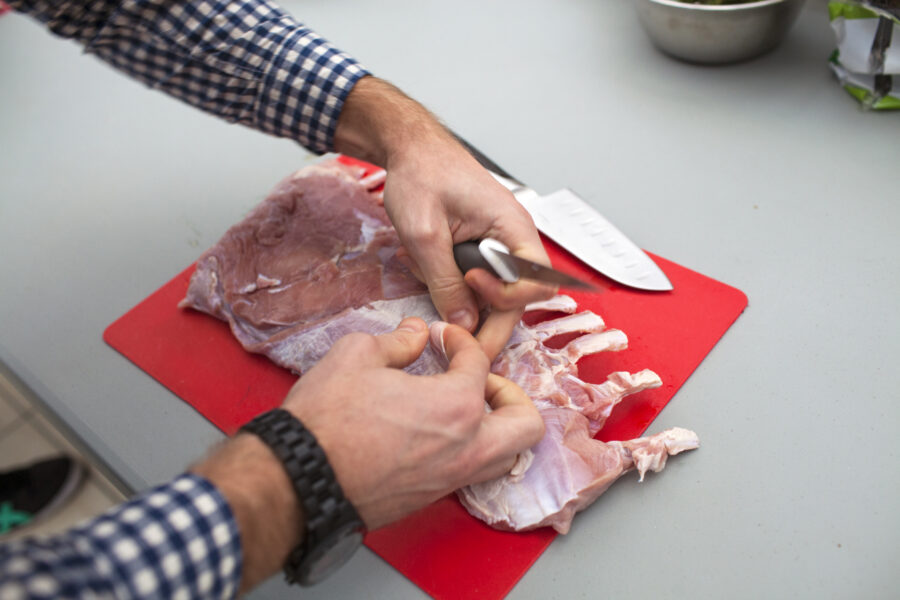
[(333, 529)]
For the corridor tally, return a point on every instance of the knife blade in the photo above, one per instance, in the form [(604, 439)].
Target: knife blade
[(568, 220), (493, 256)]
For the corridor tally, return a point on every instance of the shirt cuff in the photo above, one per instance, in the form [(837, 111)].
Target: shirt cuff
[(179, 540)]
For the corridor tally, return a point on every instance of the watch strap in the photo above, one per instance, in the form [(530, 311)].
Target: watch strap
[(325, 508)]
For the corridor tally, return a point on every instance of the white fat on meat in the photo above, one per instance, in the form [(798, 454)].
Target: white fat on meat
[(316, 260), (569, 471)]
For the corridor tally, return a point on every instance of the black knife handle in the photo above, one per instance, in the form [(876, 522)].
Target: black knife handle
[(468, 257)]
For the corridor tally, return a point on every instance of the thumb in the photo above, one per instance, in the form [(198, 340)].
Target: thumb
[(402, 346)]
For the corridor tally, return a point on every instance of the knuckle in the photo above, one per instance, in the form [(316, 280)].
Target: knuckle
[(446, 285), (463, 415), (469, 412), (424, 232), (462, 421)]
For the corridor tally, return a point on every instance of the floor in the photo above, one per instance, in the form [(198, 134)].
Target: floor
[(28, 434)]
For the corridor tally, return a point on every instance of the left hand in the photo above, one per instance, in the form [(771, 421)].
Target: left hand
[(398, 442)]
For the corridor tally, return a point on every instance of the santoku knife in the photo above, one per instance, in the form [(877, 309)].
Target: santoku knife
[(577, 226)]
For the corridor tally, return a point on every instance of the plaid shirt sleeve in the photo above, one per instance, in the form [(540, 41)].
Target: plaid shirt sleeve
[(178, 540), (246, 61)]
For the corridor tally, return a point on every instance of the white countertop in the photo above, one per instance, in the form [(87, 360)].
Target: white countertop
[(765, 175)]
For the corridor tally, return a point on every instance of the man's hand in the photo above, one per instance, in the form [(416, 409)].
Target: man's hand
[(398, 442), (437, 195)]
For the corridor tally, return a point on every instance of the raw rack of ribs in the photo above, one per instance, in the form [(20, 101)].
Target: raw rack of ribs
[(317, 260), (568, 469)]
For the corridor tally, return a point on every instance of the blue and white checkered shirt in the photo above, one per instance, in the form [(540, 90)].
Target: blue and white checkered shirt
[(178, 540), (247, 61)]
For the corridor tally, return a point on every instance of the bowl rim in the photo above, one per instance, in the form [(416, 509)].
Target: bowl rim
[(718, 7)]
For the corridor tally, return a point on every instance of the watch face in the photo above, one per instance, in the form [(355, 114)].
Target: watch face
[(331, 553)]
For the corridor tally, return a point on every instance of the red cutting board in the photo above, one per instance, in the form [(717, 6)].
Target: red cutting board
[(442, 549)]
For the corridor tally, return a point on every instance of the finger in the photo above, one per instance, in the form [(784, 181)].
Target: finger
[(496, 330), (506, 296), (524, 240), (518, 231), (512, 427), (527, 244), (452, 298), (463, 351), (498, 466), (500, 393), (402, 346), (511, 223)]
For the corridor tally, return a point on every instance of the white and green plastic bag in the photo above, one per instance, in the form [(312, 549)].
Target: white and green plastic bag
[(867, 59)]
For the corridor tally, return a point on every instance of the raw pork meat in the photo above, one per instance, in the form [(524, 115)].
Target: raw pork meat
[(317, 260), (313, 262), (569, 469)]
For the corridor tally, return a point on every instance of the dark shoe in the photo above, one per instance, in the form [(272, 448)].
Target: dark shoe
[(37, 490)]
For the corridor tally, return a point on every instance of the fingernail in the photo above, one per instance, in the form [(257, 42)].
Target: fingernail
[(413, 325), (464, 319), (436, 336)]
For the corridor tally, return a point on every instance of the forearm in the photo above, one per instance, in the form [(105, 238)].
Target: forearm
[(381, 124), (262, 500), (248, 62)]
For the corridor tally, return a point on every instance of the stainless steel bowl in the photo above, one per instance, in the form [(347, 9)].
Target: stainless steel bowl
[(717, 34)]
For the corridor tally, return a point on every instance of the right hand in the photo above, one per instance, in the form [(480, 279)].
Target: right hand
[(437, 195), (398, 442)]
